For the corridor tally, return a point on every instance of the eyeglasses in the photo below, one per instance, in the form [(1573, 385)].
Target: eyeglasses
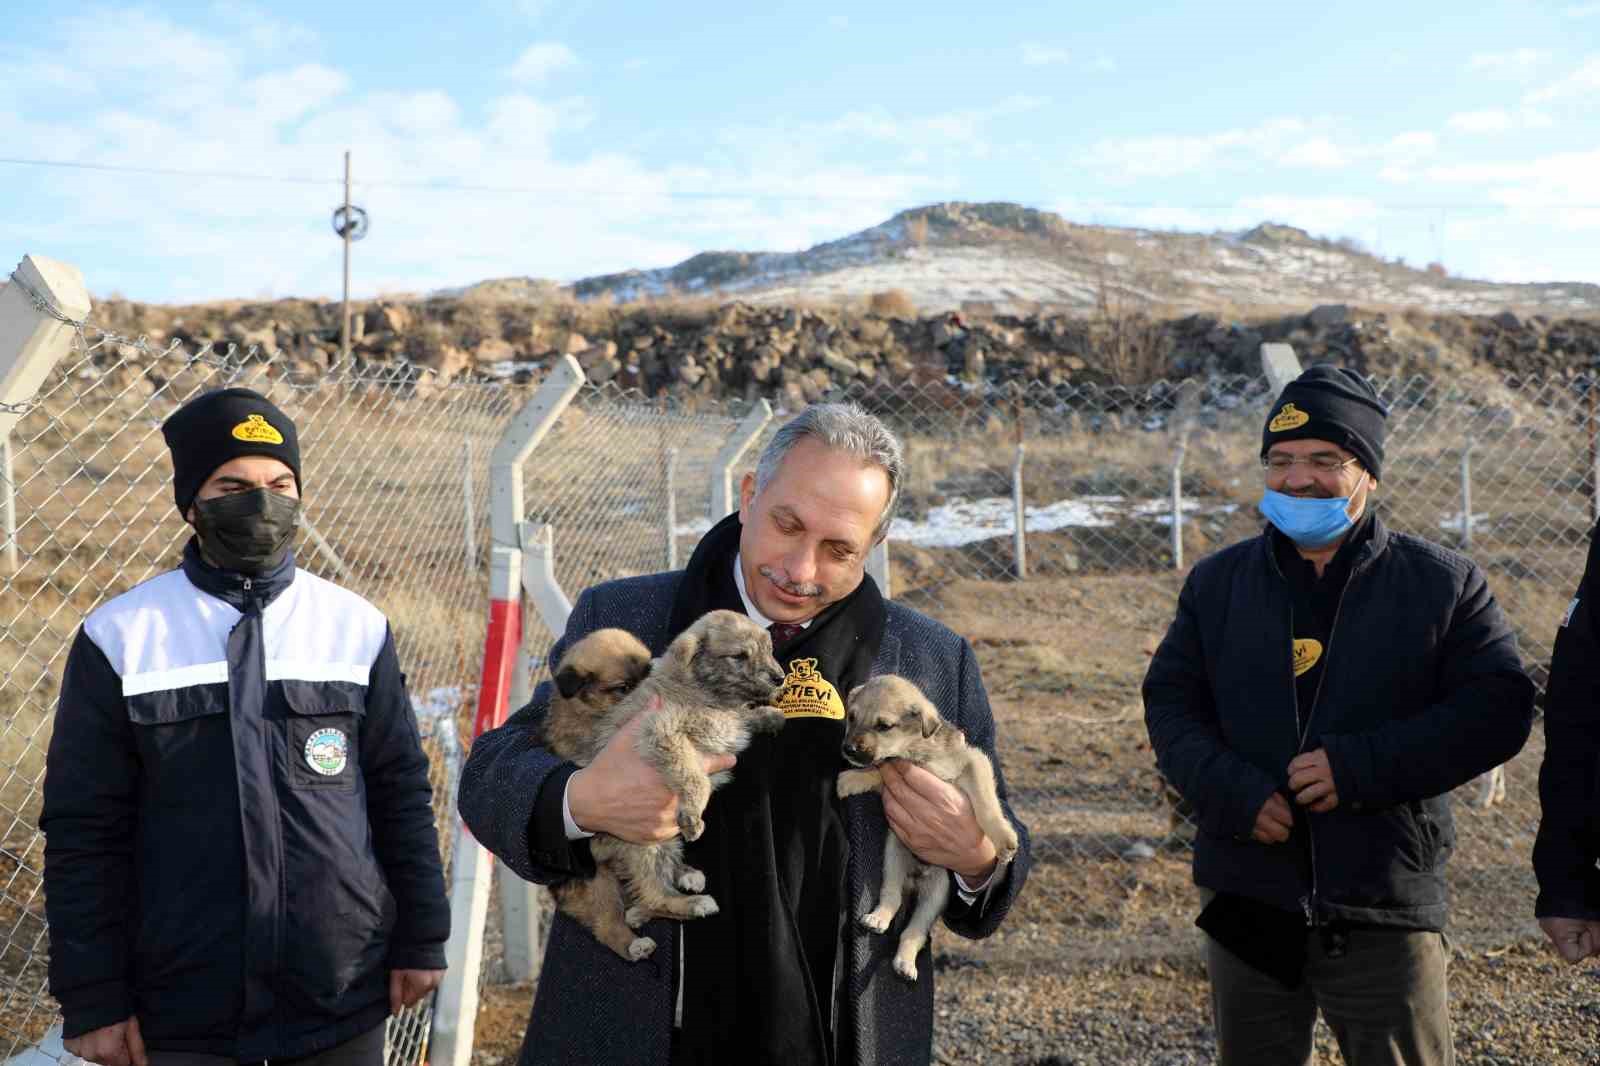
[(1322, 464)]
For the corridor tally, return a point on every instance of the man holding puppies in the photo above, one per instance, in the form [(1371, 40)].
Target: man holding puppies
[(1323, 688), (783, 974)]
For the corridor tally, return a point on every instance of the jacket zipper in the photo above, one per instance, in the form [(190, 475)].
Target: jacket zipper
[(1310, 904)]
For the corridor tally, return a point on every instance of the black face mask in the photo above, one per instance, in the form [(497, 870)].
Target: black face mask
[(247, 532)]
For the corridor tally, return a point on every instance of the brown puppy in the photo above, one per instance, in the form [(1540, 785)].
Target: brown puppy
[(890, 718), (707, 695), (591, 678)]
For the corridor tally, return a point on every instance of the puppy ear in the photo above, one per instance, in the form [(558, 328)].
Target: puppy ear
[(685, 647), (851, 698), (570, 681), (930, 722)]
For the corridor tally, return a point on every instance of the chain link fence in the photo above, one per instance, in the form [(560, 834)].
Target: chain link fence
[(1118, 491), (396, 508)]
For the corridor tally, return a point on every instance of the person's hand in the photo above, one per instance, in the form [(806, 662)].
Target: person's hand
[(934, 819), (111, 1045), (1273, 821), (1575, 939), (408, 987), (1311, 781), (621, 794)]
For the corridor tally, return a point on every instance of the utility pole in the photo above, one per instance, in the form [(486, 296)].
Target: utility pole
[(344, 314), (350, 223)]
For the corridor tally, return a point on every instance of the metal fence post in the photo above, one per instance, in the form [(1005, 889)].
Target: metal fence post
[(1594, 450), (38, 309), (456, 1007), (471, 540), (1466, 496), (1019, 532), (878, 565), (671, 474), (723, 500), (10, 504), (1177, 502)]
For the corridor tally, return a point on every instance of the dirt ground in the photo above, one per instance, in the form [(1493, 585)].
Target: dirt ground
[(1099, 962)]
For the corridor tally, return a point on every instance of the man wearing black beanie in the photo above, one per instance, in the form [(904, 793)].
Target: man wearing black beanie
[(1322, 689), (240, 858)]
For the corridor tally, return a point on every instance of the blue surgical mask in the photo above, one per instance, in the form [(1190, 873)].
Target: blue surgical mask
[(1310, 523)]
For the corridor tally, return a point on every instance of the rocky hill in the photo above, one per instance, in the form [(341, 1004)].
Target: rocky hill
[(794, 355), (1001, 257)]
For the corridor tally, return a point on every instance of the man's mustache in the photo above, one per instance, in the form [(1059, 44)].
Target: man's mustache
[(788, 586)]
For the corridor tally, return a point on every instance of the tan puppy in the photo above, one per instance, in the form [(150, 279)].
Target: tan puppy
[(890, 718), (591, 678), (707, 695)]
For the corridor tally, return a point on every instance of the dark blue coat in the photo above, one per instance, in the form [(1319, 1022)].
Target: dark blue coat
[(1422, 690), (239, 840), (594, 1008)]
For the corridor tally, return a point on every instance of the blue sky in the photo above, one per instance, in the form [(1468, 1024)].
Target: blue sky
[(534, 137)]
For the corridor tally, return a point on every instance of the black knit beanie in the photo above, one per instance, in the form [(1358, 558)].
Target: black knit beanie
[(222, 425), (1333, 404)]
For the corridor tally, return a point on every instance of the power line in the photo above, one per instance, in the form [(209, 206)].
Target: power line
[(688, 194)]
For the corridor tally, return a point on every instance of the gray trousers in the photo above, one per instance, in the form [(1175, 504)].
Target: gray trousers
[(1385, 999), (364, 1050)]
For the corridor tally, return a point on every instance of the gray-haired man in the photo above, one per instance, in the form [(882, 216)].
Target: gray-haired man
[(781, 973)]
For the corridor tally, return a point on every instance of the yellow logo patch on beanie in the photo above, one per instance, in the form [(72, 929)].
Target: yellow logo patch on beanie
[(1289, 417), (1307, 653), (807, 694), (257, 430)]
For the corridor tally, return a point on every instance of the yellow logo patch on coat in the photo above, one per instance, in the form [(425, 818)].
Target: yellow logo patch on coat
[(1307, 653), (807, 694), (257, 430), (1288, 417)]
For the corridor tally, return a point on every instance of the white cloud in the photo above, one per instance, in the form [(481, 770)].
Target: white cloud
[(1286, 142), (455, 193), (1170, 155), (285, 96), (1319, 153), (1581, 11), (839, 22), (1517, 62), (538, 61), (1583, 82), (261, 30), (964, 127), (1105, 64), (1498, 120), (1040, 55)]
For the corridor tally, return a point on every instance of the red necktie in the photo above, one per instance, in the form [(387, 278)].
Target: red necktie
[(784, 632)]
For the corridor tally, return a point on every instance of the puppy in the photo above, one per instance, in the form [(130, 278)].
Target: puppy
[(890, 718), (593, 675), (707, 695)]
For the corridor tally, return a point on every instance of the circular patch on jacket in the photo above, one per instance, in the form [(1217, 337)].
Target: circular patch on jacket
[(327, 752), (1307, 653)]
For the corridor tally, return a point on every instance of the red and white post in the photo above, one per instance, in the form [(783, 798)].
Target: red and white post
[(472, 867)]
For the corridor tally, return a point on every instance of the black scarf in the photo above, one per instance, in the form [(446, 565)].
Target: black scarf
[(758, 981)]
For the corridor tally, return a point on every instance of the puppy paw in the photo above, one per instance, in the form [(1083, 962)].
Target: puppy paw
[(702, 907), (641, 948), (876, 921), (635, 917), (691, 880), (691, 826), (905, 967), (855, 782)]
